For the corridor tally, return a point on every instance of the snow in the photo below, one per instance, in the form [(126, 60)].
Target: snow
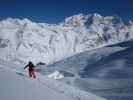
[(15, 85), (81, 51), (105, 71), (22, 40), (56, 75)]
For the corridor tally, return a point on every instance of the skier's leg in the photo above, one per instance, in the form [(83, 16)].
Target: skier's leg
[(33, 74), (30, 74)]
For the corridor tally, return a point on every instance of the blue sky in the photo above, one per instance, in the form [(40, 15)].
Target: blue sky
[(54, 11)]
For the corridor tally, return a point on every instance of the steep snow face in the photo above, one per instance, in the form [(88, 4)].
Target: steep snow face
[(24, 40)]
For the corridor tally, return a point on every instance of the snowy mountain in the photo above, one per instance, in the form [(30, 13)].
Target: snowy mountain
[(22, 40), (106, 71)]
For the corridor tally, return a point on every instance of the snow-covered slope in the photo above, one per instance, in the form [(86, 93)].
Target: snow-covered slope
[(22, 40), (15, 85), (106, 71)]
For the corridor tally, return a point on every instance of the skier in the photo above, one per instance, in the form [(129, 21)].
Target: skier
[(31, 70)]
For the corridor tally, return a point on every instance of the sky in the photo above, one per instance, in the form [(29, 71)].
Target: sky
[(55, 11)]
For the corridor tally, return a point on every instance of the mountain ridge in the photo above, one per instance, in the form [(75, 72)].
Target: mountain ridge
[(22, 40)]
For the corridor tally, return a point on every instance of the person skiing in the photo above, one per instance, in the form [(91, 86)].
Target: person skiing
[(31, 70)]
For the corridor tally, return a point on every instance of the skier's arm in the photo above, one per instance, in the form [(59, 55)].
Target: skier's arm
[(26, 66)]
